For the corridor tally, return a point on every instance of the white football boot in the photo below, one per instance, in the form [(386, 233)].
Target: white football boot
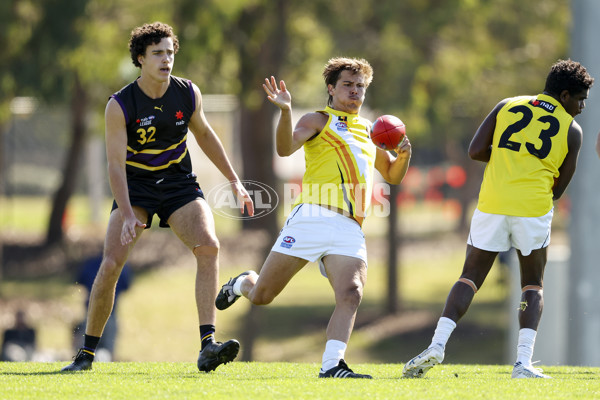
[(521, 371), (418, 366)]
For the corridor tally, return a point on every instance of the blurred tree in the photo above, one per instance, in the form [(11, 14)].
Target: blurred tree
[(17, 19), (41, 71), (12, 43)]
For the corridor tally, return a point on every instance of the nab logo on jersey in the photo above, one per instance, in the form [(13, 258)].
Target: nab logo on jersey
[(179, 116), (543, 104)]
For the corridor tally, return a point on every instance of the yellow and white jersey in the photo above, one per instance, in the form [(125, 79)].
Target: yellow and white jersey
[(340, 162), (528, 148)]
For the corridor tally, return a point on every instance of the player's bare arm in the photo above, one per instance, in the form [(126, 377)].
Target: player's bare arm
[(282, 99), (480, 148), (288, 140), (567, 168), (116, 151), (211, 145), (393, 169)]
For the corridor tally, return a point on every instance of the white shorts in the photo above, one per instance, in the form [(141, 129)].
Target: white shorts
[(496, 232), (311, 232)]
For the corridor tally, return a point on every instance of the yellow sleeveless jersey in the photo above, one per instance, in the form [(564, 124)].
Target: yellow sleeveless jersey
[(340, 161), (529, 145)]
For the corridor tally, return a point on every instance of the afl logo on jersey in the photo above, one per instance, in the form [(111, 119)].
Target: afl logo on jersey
[(341, 126), (287, 242)]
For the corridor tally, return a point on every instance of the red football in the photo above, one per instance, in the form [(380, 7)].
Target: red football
[(387, 132)]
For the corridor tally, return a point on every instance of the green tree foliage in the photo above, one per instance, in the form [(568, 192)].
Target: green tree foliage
[(439, 64)]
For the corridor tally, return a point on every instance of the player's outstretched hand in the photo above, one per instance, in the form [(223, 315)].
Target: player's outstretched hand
[(243, 197), (278, 96)]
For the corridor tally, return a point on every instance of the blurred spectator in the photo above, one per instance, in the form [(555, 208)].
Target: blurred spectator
[(87, 274), (18, 343)]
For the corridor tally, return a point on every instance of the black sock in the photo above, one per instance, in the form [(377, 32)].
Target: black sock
[(207, 334), (89, 344)]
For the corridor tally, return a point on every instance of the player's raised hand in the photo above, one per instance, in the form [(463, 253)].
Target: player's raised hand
[(243, 197), (278, 96)]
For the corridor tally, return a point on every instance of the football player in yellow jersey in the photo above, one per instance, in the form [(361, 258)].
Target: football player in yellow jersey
[(327, 229), (531, 145)]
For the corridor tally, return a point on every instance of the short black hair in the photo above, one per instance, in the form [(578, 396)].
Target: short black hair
[(567, 75), (148, 34)]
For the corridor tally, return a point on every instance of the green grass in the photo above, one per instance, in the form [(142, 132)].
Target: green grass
[(259, 380)]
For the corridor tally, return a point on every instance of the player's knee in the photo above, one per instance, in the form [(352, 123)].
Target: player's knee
[(260, 297), (110, 269), (351, 295), (210, 248)]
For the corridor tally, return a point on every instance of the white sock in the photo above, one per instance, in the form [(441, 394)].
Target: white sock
[(444, 329), (237, 286), (334, 352), (525, 346)]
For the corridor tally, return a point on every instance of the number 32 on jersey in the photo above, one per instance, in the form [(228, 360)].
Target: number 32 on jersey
[(146, 135)]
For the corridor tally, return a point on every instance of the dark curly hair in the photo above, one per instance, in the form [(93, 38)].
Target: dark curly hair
[(148, 34), (335, 66), (568, 75)]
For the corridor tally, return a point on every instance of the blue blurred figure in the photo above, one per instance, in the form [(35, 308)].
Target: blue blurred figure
[(18, 343)]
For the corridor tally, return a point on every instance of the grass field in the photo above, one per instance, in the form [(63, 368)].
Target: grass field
[(259, 380)]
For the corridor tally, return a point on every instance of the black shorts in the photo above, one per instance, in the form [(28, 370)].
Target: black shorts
[(162, 197)]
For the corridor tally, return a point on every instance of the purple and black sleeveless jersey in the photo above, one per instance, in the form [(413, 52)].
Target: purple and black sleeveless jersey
[(157, 130)]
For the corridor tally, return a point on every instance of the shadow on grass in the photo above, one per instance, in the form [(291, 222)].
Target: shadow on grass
[(472, 342)]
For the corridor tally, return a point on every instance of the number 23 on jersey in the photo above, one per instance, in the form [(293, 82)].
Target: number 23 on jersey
[(550, 127)]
